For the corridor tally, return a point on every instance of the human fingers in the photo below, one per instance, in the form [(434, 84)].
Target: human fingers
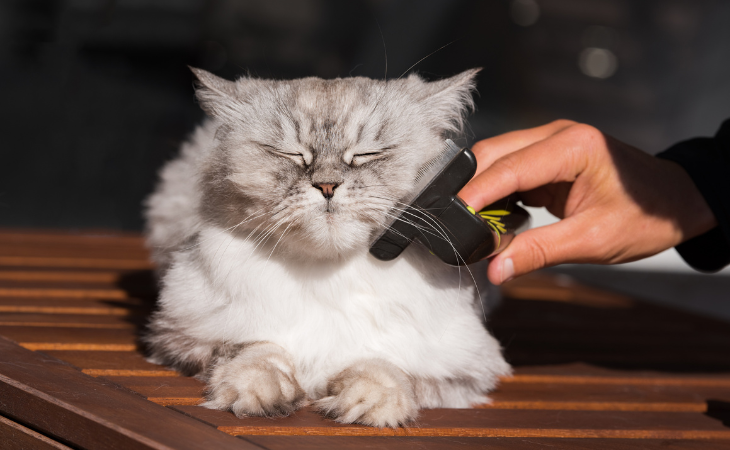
[(575, 239), (489, 150), (559, 158)]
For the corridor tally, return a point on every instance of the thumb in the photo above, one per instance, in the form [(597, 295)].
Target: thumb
[(561, 242)]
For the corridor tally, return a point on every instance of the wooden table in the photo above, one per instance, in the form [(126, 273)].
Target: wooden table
[(593, 369)]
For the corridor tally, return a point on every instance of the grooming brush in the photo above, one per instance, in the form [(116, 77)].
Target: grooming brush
[(451, 229)]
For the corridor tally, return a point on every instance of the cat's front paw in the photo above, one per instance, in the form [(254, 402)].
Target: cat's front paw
[(371, 392), (258, 381)]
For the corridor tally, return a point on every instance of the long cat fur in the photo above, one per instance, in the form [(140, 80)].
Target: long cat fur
[(267, 289)]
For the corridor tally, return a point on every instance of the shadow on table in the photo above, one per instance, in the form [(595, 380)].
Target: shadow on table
[(621, 335), (720, 410), (140, 285)]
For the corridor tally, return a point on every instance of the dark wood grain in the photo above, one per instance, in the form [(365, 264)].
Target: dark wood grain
[(90, 412), (14, 436)]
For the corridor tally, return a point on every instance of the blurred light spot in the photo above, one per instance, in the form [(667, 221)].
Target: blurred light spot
[(524, 12), (597, 62)]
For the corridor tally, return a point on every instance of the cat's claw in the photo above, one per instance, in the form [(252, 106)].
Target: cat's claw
[(255, 383), (374, 393)]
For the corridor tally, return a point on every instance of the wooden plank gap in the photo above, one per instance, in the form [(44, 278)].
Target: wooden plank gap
[(60, 276), (130, 373), (700, 407), (106, 294), (89, 263), (111, 311), (645, 381), (105, 326)]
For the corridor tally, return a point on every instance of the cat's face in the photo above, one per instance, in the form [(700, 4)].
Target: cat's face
[(317, 167)]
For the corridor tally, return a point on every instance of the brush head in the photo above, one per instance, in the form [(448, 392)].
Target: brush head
[(424, 177), (433, 167)]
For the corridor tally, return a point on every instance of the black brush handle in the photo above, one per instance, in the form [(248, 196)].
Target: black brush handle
[(466, 237), (446, 225)]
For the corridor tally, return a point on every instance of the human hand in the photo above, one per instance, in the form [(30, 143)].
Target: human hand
[(617, 203)]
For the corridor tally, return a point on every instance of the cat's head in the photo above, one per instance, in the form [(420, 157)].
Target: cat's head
[(319, 165)]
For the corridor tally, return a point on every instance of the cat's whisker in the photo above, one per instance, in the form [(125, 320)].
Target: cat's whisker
[(427, 56), (476, 286), (259, 239), (232, 228), (270, 231), (442, 235), (233, 236), (411, 210), (276, 244), (383, 225)]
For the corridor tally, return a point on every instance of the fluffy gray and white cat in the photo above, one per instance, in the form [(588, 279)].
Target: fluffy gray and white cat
[(260, 230)]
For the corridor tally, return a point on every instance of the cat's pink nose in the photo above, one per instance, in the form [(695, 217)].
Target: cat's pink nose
[(328, 189)]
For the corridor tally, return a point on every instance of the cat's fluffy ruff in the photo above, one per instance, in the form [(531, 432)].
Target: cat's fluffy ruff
[(251, 254)]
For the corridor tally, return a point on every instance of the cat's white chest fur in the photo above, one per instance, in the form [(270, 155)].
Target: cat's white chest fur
[(413, 311)]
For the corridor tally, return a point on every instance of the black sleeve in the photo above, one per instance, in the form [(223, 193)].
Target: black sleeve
[(707, 161)]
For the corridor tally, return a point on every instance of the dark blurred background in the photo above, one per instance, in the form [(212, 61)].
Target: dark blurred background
[(96, 95)]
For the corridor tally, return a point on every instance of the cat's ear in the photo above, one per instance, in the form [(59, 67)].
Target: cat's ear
[(214, 94), (448, 100)]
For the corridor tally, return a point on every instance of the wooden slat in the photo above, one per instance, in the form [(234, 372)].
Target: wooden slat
[(470, 443), (68, 335), (72, 306), (93, 413), (114, 311), (57, 338), (689, 381), (75, 346), (105, 238), (69, 320), (164, 390), (15, 436), (576, 295), (485, 423), (585, 371), (84, 263), (606, 397), (113, 294), (54, 251), (71, 301), (107, 326), (101, 363), (61, 276)]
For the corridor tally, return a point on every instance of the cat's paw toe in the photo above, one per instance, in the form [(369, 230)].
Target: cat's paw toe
[(261, 389), (380, 398)]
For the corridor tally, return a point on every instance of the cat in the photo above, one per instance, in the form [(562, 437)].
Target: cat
[(260, 230)]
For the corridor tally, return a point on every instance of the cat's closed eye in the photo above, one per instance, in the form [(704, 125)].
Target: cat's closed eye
[(359, 159), (297, 157)]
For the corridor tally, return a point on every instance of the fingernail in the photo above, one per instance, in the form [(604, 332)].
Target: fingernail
[(508, 270)]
